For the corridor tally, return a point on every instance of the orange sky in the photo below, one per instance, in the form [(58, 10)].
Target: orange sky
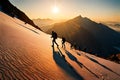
[(98, 10)]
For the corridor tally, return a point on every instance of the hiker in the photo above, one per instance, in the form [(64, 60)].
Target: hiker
[(75, 46), (25, 22), (71, 46), (54, 36), (63, 42)]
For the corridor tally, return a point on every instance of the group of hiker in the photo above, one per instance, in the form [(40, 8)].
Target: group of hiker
[(54, 36)]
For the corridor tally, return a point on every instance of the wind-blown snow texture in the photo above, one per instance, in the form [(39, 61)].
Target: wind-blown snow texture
[(26, 54)]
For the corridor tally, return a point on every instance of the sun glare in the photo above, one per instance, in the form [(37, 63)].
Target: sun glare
[(55, 9)]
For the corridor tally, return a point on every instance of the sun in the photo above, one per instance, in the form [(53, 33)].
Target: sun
[(55, 10)]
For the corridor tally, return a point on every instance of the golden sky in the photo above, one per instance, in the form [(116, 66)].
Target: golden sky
[(98, 10)]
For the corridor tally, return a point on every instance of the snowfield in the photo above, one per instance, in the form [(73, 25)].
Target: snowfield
[(26, 54)]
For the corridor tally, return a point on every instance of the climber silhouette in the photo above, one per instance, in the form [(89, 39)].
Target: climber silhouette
[(63, 42), (54, 36)]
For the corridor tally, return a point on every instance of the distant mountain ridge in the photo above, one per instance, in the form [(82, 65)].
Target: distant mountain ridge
[(113, 25), (8, 8), (95, 37), (45, 24)]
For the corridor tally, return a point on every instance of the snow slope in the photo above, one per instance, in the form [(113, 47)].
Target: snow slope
[(26, 54)]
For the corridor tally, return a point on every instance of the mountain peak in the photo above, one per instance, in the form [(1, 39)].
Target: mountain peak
[(89, 34), (78, 17), (81, 18)]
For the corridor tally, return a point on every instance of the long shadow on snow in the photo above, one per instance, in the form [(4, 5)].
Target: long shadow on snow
[(73, 58), (101, 65), (27, 28), (60, 60)]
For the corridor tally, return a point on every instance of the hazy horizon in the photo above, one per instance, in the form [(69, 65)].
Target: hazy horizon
[(97, 10)]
